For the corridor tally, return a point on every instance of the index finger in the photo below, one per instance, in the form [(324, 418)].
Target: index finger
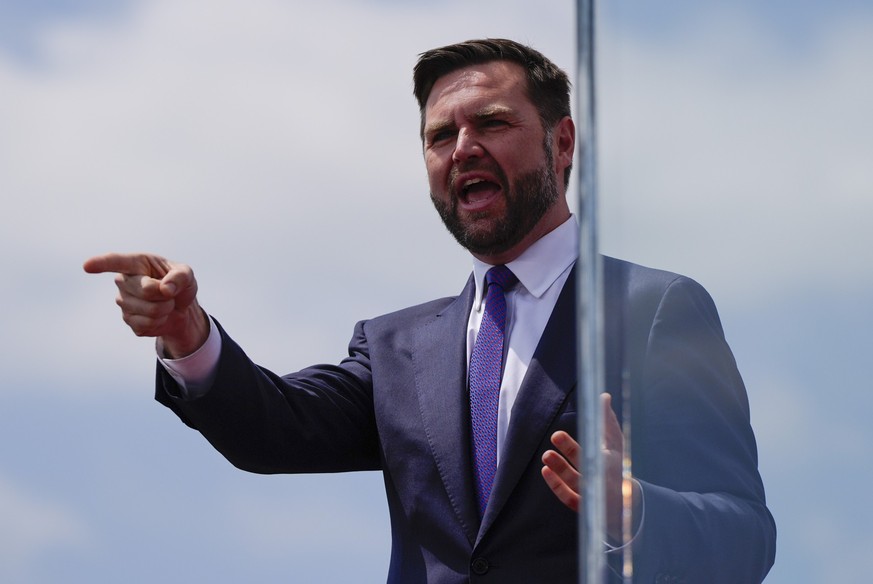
[(567, 446), (127, 263)]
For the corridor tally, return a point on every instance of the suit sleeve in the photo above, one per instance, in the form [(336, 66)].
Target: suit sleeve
[(706, 518), (319, 419)]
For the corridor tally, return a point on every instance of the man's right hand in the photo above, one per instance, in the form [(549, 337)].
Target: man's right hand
[(158, 298)]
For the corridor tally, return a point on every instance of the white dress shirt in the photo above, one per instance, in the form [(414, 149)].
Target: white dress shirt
[(542, 271)]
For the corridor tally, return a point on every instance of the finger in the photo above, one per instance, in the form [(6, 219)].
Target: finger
[(179, 283), (567, 446), (145, 326), (142, 287), (562, 491), (115, 262), (127, 263), (146, 318), (562, 468), (613, 439), (132, 306)]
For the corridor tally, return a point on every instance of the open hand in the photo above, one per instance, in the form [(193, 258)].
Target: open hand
[(560, 469)]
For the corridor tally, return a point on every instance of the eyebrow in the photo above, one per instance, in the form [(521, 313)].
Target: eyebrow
[(491, 111), (486, 113), (437, 127)]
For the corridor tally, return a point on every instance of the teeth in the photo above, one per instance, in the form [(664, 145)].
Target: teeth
[(468, 183)]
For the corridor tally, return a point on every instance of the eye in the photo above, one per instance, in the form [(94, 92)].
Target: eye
[(441, 136), (494, 124)]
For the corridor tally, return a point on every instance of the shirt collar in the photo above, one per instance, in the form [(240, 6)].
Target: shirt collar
[(541, 264)]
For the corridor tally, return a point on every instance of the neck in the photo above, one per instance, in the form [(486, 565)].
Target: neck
[(553, 218)]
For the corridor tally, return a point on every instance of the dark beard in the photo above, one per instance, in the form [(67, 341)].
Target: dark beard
[(527, 200)]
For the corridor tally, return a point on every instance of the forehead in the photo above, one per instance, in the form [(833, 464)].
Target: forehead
[(496, 83)]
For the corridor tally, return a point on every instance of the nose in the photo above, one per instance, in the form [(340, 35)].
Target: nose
[(467, 146)]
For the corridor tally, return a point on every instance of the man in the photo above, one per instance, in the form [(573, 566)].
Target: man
[(475, 490)]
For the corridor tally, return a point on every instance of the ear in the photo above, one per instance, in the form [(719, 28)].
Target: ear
[(563, 144)]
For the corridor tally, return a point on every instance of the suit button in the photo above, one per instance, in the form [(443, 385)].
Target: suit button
[(480, 566)]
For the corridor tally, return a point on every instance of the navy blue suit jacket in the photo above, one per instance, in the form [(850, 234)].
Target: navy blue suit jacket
[(399, 403)]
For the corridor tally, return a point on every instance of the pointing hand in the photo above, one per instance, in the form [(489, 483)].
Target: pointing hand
[(158, 298)]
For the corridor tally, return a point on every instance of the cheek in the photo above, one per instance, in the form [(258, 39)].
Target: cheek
[(437, 173)]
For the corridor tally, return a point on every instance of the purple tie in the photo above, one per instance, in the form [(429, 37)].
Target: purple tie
[(486, 368)]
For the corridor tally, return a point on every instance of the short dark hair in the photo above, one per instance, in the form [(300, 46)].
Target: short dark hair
[(547, 85)]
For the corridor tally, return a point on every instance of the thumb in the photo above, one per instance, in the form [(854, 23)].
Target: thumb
[(612, 436), (179, 283)]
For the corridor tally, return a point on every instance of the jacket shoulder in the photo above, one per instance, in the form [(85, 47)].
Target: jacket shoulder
[(637, 277), (642, 289), (409, 316)]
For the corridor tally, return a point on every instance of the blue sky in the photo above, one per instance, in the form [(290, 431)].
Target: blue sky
[(267, 143)]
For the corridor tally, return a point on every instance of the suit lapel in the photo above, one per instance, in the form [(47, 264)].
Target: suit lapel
[(440, 369), (549, 379)]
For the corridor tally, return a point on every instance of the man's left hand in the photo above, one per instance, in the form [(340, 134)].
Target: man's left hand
[(561, 474)]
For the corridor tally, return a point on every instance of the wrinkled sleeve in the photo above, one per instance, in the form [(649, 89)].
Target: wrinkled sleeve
[(319, 419)]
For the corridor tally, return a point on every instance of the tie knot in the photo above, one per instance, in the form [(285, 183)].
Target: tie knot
[(502, 276)]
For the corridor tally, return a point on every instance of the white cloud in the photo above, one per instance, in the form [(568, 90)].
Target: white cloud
[(738, 163), (33, 527), (273, 146)]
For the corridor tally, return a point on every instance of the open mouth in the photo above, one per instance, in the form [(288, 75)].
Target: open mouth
[(477, 193)]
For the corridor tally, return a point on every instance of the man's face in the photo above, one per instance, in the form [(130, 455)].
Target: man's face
[(490, 165)]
